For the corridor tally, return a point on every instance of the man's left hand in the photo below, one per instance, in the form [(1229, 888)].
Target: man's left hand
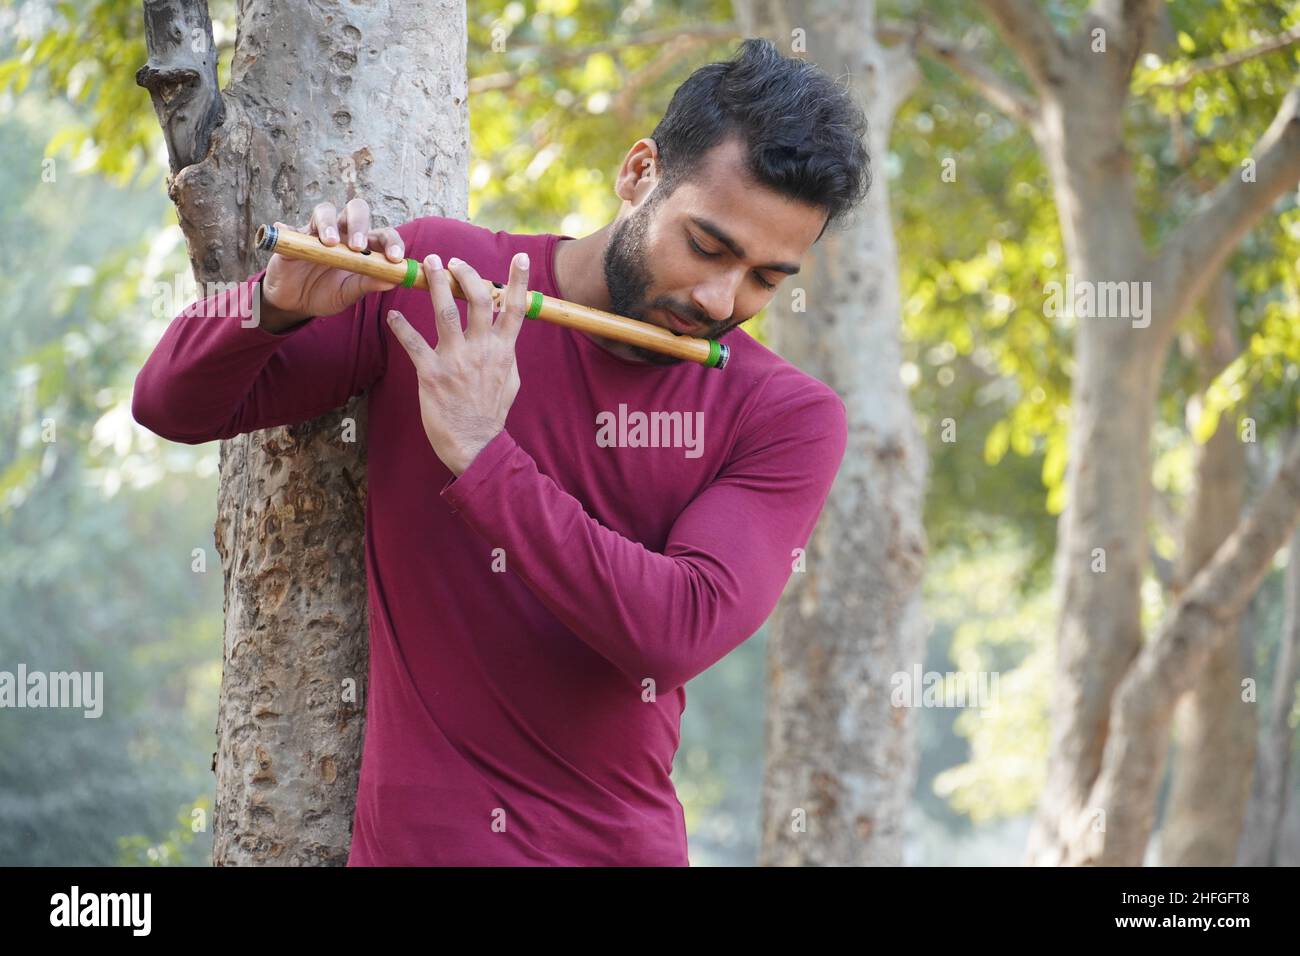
[(469, 380)]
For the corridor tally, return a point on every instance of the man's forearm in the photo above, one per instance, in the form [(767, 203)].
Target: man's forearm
[(663, 616), (274, 319)]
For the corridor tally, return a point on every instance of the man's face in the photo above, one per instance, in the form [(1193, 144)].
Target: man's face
[(709, 255)]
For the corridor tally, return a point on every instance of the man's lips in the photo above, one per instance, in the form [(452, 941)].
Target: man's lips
[(680, 324)]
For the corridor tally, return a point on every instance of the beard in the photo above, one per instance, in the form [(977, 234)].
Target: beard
[(627, 274)]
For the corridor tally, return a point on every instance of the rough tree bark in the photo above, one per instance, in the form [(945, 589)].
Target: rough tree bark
[(327, 101), (836, 748), (1214, 727)]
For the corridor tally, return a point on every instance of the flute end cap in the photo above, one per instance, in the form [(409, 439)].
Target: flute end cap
[(266, 237)]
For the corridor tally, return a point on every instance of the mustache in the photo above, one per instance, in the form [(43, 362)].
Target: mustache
[(711, 328)]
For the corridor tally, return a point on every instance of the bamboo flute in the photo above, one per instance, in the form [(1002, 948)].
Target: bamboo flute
[(296, 245)]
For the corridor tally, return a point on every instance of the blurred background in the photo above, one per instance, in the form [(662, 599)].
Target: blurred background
[(106, 533)]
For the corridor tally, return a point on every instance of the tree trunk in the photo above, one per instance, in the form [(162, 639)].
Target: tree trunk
[(1102, 544), (327, 101), (836, 748), (1168, 666), (1109, 715), (1268, 804), (1214, 727)]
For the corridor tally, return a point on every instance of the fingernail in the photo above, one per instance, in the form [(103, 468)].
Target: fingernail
[(434, 261), (392, 317), (521, 260), (453, 261), (358, 239), (395, 251), (331, 233)]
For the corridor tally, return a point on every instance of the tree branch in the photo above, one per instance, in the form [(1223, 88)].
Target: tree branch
[(1261, 832), (181, 77), (962, 60), (1129, 25), (1164, 570), (1197, 250), (1224, 61), (1027, 30), (1142, 711), (902, 74), (555, 57), (673, 51)]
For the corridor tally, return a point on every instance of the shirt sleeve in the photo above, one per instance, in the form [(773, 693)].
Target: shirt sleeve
[(215, 375), (727, 559)]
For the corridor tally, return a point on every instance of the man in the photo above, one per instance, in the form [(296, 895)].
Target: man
[(561, 531)]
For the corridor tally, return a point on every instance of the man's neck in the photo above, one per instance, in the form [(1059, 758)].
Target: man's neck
[(579, 274), (580, 269)]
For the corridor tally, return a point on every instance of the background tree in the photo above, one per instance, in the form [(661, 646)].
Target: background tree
[(1078, 83), (838, 751), (1262, 837)]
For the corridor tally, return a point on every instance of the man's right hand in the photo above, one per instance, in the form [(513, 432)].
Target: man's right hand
[(294, 290)]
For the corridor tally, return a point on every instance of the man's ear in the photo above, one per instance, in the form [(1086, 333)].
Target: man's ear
[(639, 172), (650, 165)]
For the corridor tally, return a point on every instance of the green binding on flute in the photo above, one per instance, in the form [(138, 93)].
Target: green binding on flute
[(718, 353), (534, 306), (412, 270)]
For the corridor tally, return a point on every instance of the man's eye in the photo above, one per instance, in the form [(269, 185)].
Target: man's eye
[(696, 247), (713, 255)]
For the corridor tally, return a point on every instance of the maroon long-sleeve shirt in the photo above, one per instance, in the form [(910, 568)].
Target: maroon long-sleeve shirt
[(532, 622)]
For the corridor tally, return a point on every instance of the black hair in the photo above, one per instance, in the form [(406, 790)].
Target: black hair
[(803, 133)]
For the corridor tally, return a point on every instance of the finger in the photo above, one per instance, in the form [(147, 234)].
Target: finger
[(278, 226), (324, 223), (450, 335), (355, 223), (417, 347), (307, 229), (365, 284), (515, 300), (388, 242), (477, 294)]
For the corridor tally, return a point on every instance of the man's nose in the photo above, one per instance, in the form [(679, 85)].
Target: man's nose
[(717, 296)]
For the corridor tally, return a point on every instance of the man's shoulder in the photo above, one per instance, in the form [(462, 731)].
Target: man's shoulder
[(781, 387), (437, 232), (488, 251), (790, 412), (426, 235)]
